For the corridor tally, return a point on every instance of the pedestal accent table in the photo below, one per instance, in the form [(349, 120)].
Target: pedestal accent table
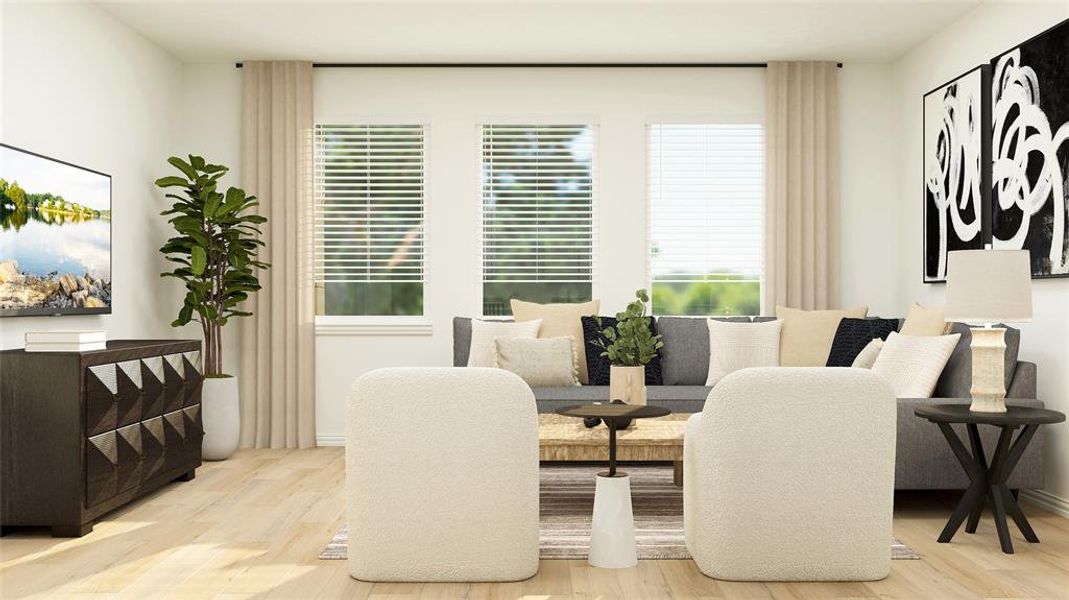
[(988, 482), (612, 529)]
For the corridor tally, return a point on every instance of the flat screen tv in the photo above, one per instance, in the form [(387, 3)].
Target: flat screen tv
[(55, 236)]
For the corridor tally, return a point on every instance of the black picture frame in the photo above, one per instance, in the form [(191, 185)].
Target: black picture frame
[(982, 202), (1046, 56), (56, 312)]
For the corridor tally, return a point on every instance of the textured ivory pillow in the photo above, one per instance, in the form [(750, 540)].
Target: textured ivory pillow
[(924, 321), (913, 364), (483, 334), (734, 346), (542, 362), (807, 334), (867, 357), (558, 320)]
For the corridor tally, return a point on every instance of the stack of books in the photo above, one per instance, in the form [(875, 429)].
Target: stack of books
[(65, 341)]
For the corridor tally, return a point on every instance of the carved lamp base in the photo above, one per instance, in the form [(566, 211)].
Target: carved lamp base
[(988, 370)]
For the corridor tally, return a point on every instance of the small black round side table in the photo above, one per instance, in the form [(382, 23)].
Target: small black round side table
[(613, 414), (612, 524), (988, 482)]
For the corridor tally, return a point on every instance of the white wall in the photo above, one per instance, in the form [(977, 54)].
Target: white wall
[(621, 102), (210, 108), (973, 40), (80, 86), (870, 252)]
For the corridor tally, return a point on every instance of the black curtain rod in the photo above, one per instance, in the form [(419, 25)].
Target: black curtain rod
[(539, 65)]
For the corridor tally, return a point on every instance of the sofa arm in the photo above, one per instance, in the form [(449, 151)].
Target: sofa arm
[(1023, 384)]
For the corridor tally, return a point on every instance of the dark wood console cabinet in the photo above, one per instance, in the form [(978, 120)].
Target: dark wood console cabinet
[(83, 433)]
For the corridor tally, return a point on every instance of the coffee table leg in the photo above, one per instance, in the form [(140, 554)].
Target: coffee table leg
[(1001, 470), (677, 473)]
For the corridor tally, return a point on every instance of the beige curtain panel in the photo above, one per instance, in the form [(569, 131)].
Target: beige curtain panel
[(801, 186), (278, 341)]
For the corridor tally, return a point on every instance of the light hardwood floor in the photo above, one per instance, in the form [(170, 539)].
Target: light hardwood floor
[(251, 527)]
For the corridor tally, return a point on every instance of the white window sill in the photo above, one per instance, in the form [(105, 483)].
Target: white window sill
[(372, 326)]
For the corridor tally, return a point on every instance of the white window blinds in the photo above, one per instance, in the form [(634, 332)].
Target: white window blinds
[(537, 214), (706, 190), (369, 217)]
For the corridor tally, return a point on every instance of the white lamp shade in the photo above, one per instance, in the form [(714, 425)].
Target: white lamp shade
[(989, 286)]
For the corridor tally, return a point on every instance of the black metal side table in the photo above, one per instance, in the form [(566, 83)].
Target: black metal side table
[(612, 525), (988, 482)]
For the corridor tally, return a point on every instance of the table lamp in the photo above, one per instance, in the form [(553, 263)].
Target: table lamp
[(985, 287)]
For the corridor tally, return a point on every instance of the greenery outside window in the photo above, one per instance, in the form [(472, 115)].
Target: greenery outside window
[(369, 219), (705, 195), (537, 214)]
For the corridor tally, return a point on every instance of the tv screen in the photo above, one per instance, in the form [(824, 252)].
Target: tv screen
[(55, 236)]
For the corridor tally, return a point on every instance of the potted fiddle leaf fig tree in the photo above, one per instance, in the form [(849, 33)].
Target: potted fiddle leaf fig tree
[(629, 346), (214, 253)]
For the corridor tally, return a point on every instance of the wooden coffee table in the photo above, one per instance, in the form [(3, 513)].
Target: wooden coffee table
[(567, 439)]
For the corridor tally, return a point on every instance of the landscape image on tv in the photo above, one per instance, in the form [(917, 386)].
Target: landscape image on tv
[(55, 236)]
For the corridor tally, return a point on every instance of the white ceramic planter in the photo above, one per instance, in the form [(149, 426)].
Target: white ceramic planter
[(627, 384), (220, 416)]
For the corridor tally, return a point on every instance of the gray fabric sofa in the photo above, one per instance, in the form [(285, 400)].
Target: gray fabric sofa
[(923, 461)]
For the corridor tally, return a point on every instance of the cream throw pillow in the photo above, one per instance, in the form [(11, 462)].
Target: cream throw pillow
[(807, 334), (913, 364), (483, 334), (925, 321), (559, 320), (734, 346), (867, 357), (542, 362)]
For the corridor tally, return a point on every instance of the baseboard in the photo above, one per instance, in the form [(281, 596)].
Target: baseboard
[(330, 439), (1047, 500)]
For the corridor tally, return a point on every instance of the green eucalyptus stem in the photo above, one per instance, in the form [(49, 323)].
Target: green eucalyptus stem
[(630, 343), (215, 251)]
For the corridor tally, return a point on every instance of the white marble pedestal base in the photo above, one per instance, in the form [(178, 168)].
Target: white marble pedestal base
[(612, 531)]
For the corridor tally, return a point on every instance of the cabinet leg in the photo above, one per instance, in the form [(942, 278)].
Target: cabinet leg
[(6, 529), (677, 473), (187, 476), (71, 531)]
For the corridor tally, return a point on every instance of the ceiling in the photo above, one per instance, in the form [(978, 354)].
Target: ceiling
[(537, 30)]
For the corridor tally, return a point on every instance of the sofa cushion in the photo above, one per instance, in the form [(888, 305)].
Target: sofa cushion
[(561, 319), (807, 334), (912, 364), (736, 346), (853, 335), (956, 380), (685, 356), (461, 341), (541, 361), (485, 333), (924, 321), (597, 366)]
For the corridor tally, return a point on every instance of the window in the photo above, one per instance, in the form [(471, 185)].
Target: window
[(537, 214), (706, 190), (369, 219)]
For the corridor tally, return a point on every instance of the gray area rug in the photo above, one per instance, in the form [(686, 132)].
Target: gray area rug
[(567, 500)]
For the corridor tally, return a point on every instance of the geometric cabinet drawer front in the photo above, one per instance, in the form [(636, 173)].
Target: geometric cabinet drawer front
[(122, 394)]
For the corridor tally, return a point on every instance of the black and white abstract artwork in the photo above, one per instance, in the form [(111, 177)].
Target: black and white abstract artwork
[(1030, 151), (955, 169)]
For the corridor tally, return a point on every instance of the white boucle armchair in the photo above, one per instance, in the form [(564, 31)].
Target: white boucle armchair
[(789, 476), (442, 476)]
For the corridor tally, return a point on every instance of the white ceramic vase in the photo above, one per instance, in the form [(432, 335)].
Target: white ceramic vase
[(628, 384), (220, 416)]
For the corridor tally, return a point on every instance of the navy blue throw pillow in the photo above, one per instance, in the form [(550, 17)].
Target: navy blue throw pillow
[(597, 366), (853, 335)]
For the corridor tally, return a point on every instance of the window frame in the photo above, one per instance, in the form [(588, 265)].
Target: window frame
[(656, 120), (595, 183), (377, 325)]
